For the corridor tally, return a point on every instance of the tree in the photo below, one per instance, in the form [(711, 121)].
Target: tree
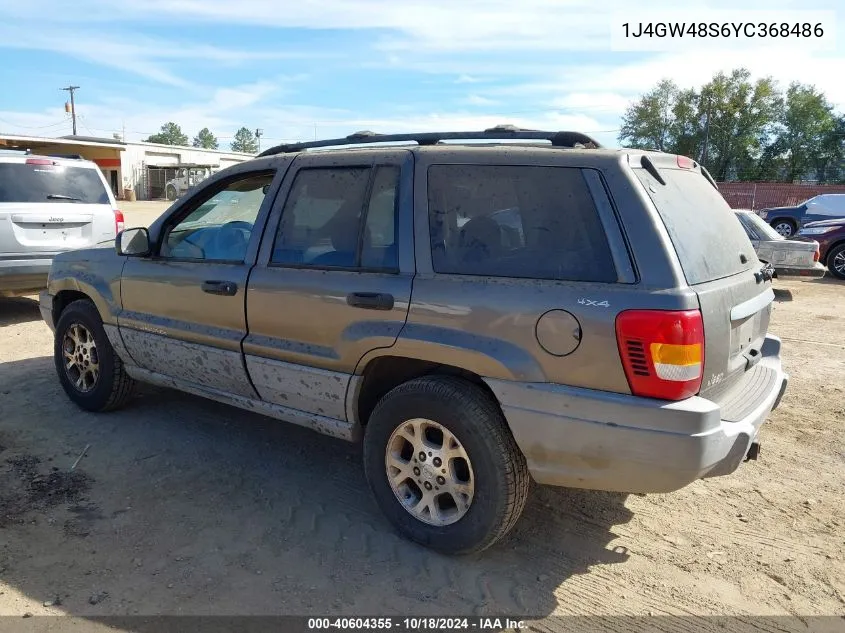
[(647, 123), (742, 121), (808, 122), (170, 134), (832, 166), (727, 124), (205, 139), (245, 141)]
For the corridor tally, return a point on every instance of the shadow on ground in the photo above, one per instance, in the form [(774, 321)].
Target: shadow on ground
[(184, 506), (18, 310), (828, 279)]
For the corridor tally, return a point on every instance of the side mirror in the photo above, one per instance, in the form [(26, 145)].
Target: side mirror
[(133, 242), (265, 189)]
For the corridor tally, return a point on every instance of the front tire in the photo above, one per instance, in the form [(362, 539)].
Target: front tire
[(443, 465), (836, 261), (170, 192), (787, 228), (89, 370)]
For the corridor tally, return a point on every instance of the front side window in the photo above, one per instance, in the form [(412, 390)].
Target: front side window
[(516, 221), (219, 229)]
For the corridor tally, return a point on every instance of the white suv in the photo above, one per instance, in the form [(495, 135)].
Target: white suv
[(49, 205)]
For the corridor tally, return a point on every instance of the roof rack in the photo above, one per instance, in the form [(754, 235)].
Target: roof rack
[(70, 156), (498, 133)]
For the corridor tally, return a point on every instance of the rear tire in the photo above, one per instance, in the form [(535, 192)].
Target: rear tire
[(89, 370), (787, 228), (836, 261), (491, 477)]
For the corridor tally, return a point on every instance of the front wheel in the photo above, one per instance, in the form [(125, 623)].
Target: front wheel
[(836, 261), (443, 465), (784, 227), (89, 370), (171, 193)]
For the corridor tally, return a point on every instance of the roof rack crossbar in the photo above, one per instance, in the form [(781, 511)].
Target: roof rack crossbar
[(499, 133)]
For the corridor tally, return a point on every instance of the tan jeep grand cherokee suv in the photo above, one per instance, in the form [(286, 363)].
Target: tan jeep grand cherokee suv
[(481, 314)]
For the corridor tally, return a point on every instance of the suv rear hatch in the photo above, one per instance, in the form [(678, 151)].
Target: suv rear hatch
[(720, 265), (47, 207)]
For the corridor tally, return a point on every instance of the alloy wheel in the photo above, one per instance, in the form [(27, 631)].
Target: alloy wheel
[(82, 363), (430, 472)]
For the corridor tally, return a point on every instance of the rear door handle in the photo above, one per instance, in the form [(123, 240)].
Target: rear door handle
[(370, 300), (226, 288)]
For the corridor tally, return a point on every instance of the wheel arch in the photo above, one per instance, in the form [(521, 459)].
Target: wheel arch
[(64, 298), (383, 373), (784, 218), (832, 248)]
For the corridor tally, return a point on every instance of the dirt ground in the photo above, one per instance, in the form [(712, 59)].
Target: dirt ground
[(184, 506)]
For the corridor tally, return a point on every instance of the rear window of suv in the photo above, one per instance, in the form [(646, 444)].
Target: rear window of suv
[(516, 221), (20, 182), (704, 230)]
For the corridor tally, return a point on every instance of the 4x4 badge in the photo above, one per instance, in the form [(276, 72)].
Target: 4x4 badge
[(590, 302)]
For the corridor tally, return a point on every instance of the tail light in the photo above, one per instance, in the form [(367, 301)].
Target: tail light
[(118, 221), (816, 255), (662, 352)]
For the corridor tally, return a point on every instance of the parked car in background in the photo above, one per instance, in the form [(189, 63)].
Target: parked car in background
[(186, 177), (830, 235), (788, 220), (599, 320), (49, 205), (790, 258)]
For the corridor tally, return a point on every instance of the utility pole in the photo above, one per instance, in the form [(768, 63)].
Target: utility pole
[(258, 134), (70, 89)]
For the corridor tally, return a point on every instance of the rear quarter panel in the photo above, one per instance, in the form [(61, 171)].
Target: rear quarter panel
[(488, 325)]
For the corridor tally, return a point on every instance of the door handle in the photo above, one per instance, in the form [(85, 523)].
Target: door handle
[(370, 300), (226, 288)]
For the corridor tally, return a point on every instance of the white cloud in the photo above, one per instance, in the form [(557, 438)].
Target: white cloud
[(591, 101), (478, 100), (693, 70), (419, 26), (138, 54)]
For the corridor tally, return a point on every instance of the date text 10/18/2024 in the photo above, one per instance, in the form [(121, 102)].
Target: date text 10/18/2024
[(416, 624)]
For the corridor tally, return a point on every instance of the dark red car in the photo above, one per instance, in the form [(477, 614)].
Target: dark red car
[(830, 234)]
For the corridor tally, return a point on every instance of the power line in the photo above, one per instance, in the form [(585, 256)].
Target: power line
[(32, 127)]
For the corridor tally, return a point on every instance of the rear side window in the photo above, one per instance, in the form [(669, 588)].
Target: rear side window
[(21, 182), (343, 217), (704, 230), (516, 221), (758, 227)]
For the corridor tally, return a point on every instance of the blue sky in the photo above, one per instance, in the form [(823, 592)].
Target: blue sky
[(331, 67)]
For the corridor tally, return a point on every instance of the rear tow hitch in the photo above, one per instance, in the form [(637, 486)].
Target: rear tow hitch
[(753, 452)]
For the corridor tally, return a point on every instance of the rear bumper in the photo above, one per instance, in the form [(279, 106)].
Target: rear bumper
[(584, 438), (23, 276), (818, 270)]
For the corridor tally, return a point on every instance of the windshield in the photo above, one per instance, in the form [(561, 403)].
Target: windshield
[(26, 182), (759, 226)]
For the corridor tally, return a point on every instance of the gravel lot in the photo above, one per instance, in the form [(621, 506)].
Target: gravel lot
[(183, 506)]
